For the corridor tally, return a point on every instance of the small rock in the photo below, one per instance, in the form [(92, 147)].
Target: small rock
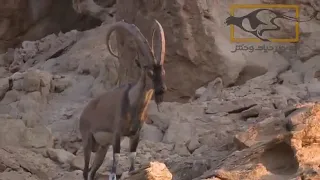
[(153, 170), (31, 82), (37, 137), (18, 85), (181, 149), (314, 89), (178, 132), (199, 92), (10, 110), (213, 90), (17, 76), (246, 139), (5, 116), (217, 137), (10, 97), (296, 118), (201, 150), (57, 76), (290, 78), (4, 86), (3, 72), (252, 120), (252, 112), (11, 132), (59, 85), (193, 144), (7, 58), (74, 175), (60, 155), (28, 103), (46, 79), (125, 143), (31, 119), (78, 162), (151, 133), (266, 111), (70, 143), (159, 120), (68, 113)]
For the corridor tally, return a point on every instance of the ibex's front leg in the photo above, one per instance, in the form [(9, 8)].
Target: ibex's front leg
[(134, 141), (116, 156)]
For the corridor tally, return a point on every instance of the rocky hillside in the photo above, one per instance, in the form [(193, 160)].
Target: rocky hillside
[(262, 122)]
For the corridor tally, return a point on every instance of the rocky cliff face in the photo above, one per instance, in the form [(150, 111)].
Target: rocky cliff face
[(198, 41), (32, 20), (264, 125)]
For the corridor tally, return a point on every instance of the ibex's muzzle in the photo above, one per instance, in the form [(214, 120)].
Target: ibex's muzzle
[(159, 93), (161, 90)]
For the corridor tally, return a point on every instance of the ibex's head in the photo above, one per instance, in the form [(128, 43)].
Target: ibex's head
[(157, 72), (153, 56)]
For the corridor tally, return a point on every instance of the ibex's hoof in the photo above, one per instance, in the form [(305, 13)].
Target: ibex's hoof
[(112, 176)]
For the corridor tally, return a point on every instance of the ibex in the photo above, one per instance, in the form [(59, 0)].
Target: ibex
[(121, 112)]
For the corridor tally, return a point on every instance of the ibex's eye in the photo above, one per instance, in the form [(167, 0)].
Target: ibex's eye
[(137, 63)]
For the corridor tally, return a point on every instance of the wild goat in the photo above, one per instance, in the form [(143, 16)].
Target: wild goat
[(121, 112)]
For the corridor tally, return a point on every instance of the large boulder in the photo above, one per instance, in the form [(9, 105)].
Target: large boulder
[(286, 148), (19, 163), (13, 132)]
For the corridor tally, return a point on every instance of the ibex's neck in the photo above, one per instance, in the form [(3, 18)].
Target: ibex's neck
[(138, 90), (136, 98)]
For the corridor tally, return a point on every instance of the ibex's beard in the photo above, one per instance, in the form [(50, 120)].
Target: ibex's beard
[(158, 98)]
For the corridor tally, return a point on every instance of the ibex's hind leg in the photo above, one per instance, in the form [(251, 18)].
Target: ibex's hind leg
[(87, 144), (103, 139), (98, 160), (134, 141), (116, 156)]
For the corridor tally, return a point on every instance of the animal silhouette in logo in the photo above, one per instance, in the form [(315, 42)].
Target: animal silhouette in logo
[(255, 22)]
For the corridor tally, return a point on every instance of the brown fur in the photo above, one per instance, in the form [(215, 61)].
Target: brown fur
[(99, 114)]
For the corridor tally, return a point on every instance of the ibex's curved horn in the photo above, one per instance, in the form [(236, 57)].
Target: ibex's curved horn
[(109, 46), (141, 41), (159, 50)]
